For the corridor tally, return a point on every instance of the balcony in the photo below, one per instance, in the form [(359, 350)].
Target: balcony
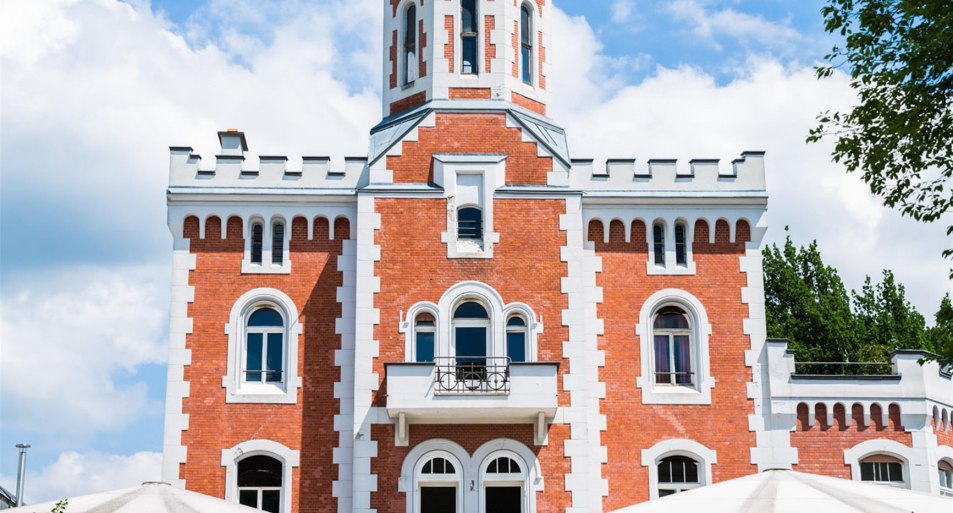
[(471, 390)]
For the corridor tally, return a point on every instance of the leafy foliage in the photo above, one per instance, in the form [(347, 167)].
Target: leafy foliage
[(60, 506), (899, 54), (942, 333), (806, 302)]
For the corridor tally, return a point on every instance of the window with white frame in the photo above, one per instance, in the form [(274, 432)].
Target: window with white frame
[(504, 485), (516, 338), (471, 333), (470, 224), (410, 45), (882, 469), (658, 244), (278, 242), (945, 475), (469, 183), (425, 332), (263, 333), (677, 474), (527, 34), (260, 482), (681, 245), (439, 486), (257, 242), (266, 247), (469, 37), (672, 336)]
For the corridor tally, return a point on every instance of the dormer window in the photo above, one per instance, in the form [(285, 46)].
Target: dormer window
[(470, 223), (658, 244), (257, 242), (468, 37), (526, 43), (410, 45)]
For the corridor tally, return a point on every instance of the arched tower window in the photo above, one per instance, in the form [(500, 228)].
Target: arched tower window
[(516, 331), (658, 244), (681, 248), (259, 483), (677, 474), (257, 239), (410, 44), (264, 347), (672, 335), (278, 242), (469, 37), (526, 43), (470, 223), (425, 331)]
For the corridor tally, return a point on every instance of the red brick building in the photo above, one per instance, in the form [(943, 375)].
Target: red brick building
[(469, 320)]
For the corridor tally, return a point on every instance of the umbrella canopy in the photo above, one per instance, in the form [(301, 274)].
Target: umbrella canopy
[(147, 498), (786, 491)]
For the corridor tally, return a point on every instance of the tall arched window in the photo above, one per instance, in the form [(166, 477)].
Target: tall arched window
[(469, 36), (516, 331), (278, 242), (438, 482), (410, 45), (257, 239), (672, 335), (681, 248), (470, 223), (526, 43), (658, 244), (471, 332), (259, 483), (264, 347), (945, 474), (504, 485), (882, 469), (677, 474), (425, 331)]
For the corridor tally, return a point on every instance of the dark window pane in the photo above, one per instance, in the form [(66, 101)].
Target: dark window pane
[(248, 498), (866, 471), (468, 16), (525, 20), (277, 243), (271, 500), (256, 243), (261, 471), (471, 342), (504, 499), (470, 223), (424, 347), (691, 472), (274, 357), (527, 64), (471, 310), (470, 55), (265, 317), (894, 472), (516, 346), (683, 360), (658, 237), (662, 365), (438, 499), (428, 468), (516, 321), (665, 493), (253, 353), (410, 29), (671, 318), (678, 471), (681, 256)]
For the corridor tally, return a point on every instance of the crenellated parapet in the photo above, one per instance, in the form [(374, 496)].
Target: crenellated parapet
[(230, 171), (744, 177)]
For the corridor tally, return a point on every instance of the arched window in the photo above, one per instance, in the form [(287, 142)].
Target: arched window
[(526, 43), (945, 472), (438, 482), (278, 242), (672, 335), (259, 483), (257, 239), (469, 36), (471, 332), (425, 331), (504, 485), (516, 331), (882, 469), (470, 223), (410, 45), (677, 474), (264, 347), (658, 244), (681, 248)]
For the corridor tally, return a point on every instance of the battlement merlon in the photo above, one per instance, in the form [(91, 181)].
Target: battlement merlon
[(316, 173), (743, 177)]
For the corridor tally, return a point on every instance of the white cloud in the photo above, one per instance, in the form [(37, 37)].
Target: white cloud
[(74, 474), (684, 113), (622, 10), (711, 24)]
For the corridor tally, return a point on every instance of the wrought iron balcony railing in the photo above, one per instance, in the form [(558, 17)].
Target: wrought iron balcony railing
[(472, 375)]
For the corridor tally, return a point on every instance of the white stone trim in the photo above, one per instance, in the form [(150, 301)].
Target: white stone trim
[(534, 479), (407, 483), (701, 331), (584, 446), (343, 454), (678, 447), (855, 454), (235, 390), (290, 459), (492, 168), (408, 324), (174, 452), (267, 247)]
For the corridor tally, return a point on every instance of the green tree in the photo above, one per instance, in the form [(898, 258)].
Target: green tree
[(899, 54), (941, 335), (886, 321), (806, 302)]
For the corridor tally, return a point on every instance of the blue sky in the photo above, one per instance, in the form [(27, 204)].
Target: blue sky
[(95, 91)]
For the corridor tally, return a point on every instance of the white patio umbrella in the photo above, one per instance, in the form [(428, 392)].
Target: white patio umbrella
[(147, 498), (786, 491)]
